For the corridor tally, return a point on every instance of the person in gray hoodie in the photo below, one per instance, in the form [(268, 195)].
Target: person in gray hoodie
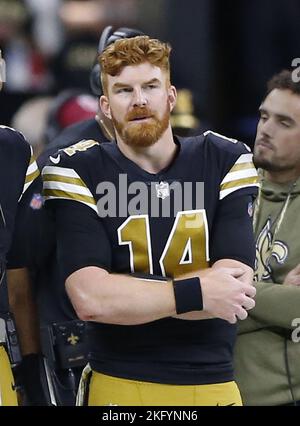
[(267, 353)]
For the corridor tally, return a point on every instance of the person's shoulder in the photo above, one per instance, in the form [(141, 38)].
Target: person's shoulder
[(82, 152), (86, 148), (234, 162), (210, 140), (224, 144), (15, 155), (79, 162), (71, 173), (217, 149), (13, 141)]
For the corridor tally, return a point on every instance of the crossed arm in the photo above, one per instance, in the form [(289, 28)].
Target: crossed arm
[(99, 296), (277, 305)]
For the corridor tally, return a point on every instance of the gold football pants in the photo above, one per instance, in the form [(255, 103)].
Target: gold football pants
[(107, 390), (8, 396)]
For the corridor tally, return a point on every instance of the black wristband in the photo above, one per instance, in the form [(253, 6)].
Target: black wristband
[(188, 295)]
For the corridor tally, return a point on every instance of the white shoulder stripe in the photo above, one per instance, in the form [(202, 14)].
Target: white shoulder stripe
[(67, 187), (244, 158), (220, 136), (61, 171), (242, 174), (61, 183)]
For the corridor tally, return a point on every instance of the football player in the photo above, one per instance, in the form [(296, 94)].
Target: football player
[(18, 170), (155, 242), (64, 360)]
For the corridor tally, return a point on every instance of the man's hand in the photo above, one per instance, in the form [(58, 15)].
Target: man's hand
[(228, 292), (247, 272), (293, 277), (229, 296)]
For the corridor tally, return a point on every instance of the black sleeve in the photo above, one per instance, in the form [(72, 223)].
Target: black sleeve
[(232, 234), (34, 236), (81, 238), (14, 160)]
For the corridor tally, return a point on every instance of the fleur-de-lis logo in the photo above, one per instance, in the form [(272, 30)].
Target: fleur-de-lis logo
[(266, 249), (72, 339)]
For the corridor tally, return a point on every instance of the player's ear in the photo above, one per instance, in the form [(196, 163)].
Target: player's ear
[(172, 96), (105, 107)]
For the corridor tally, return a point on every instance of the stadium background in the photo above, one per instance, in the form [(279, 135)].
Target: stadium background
[(223, 51)]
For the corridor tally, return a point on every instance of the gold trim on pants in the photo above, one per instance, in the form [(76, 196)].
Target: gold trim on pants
[(8, 395)]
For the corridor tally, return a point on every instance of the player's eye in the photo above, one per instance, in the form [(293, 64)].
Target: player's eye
[(263, 116), (124, 90), (285, 123), (151, 86)]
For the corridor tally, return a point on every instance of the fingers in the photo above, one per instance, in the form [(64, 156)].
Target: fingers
[(232, 319), (240, 313), (250, 290), (248, 303)]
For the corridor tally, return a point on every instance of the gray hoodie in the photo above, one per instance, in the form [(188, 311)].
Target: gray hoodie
[(265, 350)]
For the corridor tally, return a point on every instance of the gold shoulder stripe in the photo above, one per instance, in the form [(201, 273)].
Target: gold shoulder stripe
[(58, 193), (66, 184), (242, 174), (241, 166), (240, 182), (31, 174), (30, 178), (66, 179)]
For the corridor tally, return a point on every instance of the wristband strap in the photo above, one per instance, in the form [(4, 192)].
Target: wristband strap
[(188, 295)]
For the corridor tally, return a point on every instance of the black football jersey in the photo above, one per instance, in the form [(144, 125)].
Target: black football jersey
[(35, 226), (115, 215), (34, 246), (18, 169)]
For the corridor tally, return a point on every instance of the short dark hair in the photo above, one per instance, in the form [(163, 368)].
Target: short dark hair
[(283, 81)]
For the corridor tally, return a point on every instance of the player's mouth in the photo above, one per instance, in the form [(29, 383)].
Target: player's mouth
[(262, 143), (140, 119)]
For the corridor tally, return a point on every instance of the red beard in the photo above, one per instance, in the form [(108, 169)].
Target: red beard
[(142, 134)]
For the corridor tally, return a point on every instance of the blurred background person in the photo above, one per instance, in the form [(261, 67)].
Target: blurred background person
[(37, 108), (223, 52), (82, 22)]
